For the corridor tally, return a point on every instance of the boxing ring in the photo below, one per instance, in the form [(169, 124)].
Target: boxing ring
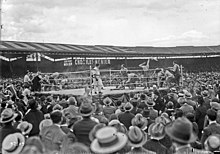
[(74, 83)]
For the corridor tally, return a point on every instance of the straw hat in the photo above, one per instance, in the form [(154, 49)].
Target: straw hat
[(13, 143), (139, 121), (136, 137), (215, 105), (205, 93), (108, 140), (107, 101), (157, 131), (128, 106), (150, 103), (7, 115), (181, 130), (25, 127), (45, 123), (86, 109), (93, 132)]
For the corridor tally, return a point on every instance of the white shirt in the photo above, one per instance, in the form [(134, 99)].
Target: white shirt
[(97, 72), (26, 78)]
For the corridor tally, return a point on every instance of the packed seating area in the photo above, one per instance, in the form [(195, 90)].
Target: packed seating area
[(186, 118)]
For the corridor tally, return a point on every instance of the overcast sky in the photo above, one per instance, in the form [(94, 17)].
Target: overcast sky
[(113, 22)]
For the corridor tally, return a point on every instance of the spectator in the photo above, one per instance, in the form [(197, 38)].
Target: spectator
[(34, 116), (82, 128)]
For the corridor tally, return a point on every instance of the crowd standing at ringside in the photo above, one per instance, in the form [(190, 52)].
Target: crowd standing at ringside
[(180, 120)]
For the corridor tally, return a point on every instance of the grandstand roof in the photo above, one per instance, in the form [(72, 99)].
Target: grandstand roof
[(12, 49)]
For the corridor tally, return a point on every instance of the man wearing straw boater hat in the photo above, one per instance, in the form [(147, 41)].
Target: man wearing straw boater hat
[(82, 128), (108, 141), (7, 117), (181, 132)]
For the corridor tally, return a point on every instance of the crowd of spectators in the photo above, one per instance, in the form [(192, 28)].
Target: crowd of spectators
[(181, 120)]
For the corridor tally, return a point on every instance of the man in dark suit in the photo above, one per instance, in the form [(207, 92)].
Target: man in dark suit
[(34, 116), (82, 128), (126, 117), (212, 128), (200, 115)]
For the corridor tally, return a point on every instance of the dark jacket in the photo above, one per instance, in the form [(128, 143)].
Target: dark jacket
[(156, 146), (34, 117), (6, 130), (200, 116), (125, 118), (81, 130)]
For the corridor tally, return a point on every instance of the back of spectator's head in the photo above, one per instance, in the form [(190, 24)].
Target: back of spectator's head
[(72, 101), (170, 105), (56, 116), (190, 116), (212, 115), (32, 104), (178, 113), (200, 100), (33, 145), (42, 98), (112, 117), (118, 103), (104, 120)]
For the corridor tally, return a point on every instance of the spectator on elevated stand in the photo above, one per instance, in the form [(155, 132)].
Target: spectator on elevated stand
[(176, 70), (98, 81), (27, 80)]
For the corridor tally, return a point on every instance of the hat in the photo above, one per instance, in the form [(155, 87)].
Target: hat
[(215, 105), (188, 95), (45, 123), (25, 127), (57, 107), (163, 119), (181, 94), (94, 131), (205, 93), (7, 115), (181, 130), (128, 106), (150, 103), (136, 137), (157, 131), (107, 101), (173, 90), (86, 109), (213, 142), (72, 101), (139, 121), (13, 143), (108, 140), (114, 122)]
